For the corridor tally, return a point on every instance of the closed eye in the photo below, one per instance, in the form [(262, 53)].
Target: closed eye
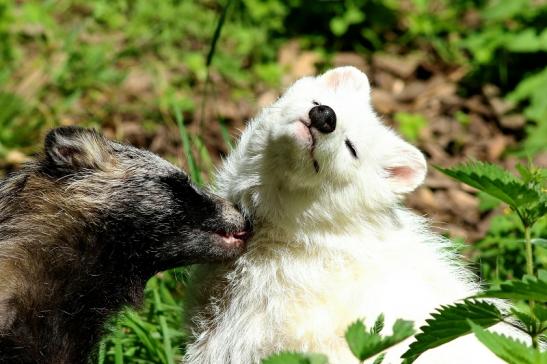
[(351, 148), (316, 103)]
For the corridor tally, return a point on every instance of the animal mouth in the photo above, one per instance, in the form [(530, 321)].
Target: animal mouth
[(233, 239), (312, 145)]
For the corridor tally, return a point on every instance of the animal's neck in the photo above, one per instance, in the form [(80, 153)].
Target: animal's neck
[(307, 211)]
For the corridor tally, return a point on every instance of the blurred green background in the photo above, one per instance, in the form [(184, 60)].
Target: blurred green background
[(461, 79)]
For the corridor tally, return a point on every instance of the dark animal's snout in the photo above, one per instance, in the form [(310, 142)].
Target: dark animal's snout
[(323, 118)]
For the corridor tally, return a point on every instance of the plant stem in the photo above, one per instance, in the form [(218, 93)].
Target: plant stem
[(529, 263), (209, 60), (529, 252)]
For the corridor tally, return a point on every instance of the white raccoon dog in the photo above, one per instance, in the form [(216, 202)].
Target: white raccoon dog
[(322, 178)]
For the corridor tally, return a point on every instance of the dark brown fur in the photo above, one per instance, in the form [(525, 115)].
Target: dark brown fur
[(81, 231)]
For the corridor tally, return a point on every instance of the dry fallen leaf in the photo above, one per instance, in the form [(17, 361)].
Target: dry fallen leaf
[(402, 66)]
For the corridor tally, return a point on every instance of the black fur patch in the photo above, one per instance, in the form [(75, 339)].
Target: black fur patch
[(351, 148)]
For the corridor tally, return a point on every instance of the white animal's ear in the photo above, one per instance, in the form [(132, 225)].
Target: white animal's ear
[(347, 76), (404, 165)]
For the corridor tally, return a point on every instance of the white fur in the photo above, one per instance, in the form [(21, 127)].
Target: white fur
[(329, 246)]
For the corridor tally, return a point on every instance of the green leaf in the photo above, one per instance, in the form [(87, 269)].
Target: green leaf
[(529, 86), (525, 41), (503, 10), (527, 198), (529, 288), (487, 202), (510, 350), (296, 358), (378, 325), (338, 26), (364, 344), (540, 311), (356, 337), (530, 323), (535, 135), (494, 181), (410, 125), (450, 322), (379, 359)]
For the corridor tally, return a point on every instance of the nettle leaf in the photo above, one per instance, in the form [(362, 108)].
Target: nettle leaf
[(378, 325), (296, 358), (494, 181), (510, 350), (379, 359), (358, 339), (364, 344), (530, 323), (529, 288), (450, 322), (540, 312), (526, 196)]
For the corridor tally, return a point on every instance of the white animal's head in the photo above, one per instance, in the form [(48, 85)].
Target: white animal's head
[(320, 157)]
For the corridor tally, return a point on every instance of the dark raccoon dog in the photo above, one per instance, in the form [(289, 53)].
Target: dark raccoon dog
[(81, 231)]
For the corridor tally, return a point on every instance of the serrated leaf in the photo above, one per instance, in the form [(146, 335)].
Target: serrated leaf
[(510, 350), (296, 358), (530, 323), (450, 322), (540, 311), (494, 181), (364, 344), (378, 325), (528, 199), (356, 337), (529, 288), (379, 359)]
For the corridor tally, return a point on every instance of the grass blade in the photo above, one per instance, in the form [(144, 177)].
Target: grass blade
[(226, 135), (102, 353), (204, 157), (216, 34), (167, 348), (210, 55), (118, 348), (195, 173)]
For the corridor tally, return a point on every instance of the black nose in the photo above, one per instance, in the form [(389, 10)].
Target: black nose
[(323, 118)]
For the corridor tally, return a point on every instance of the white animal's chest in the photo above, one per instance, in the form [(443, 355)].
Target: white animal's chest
[(308, 301), (321, 300), (288, 299), (328, 307)]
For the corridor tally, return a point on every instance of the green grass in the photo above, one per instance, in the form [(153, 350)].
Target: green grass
[(75, 61), (154, 334)]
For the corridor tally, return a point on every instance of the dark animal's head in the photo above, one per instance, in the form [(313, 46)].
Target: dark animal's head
[(142, 208)]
